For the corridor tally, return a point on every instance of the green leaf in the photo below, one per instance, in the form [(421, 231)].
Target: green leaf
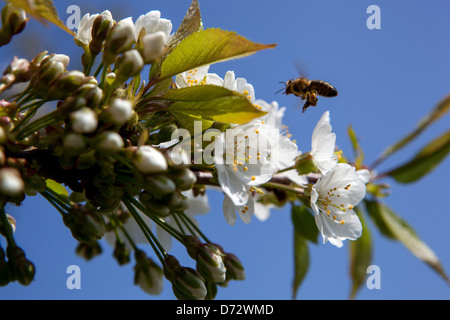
[(394, 227), (440, 110), (57, 188), (206, 47), (360, 256), (301, 261), (424, 162), (211, 103), (358, 153), (42, 10), (304, 223)]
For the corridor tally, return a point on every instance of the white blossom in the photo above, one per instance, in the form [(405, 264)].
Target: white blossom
[(323, 143), (333, 198)]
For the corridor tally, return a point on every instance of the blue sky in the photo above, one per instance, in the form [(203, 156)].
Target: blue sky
[(387, 79)]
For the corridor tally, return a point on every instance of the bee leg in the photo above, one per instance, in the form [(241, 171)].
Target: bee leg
[(306, 105), (313, 98)]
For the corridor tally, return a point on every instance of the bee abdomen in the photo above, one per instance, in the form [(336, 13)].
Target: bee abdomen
[(323, 88)]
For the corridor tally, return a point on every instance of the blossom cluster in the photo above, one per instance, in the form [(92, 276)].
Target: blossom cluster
[(111, 140)]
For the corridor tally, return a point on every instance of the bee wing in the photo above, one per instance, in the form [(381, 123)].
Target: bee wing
[(300, 70)]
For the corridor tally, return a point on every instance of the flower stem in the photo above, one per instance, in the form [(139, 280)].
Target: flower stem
[(160, 222), (7, 228), (153, 241)]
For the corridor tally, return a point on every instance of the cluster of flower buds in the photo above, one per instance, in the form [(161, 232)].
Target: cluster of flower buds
[(163, 180), (51, 80), (187, 283), (14, 20), (124, 43), (14, 266), (209, 259)]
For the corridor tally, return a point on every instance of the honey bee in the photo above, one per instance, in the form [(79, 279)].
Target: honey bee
[(309, 89)]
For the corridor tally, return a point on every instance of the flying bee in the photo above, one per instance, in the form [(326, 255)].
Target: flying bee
[(309, 89)]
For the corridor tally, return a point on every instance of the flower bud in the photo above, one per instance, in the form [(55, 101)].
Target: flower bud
[(159, 185), (88, 250), (48, 74), (11, 183), (14, 20), (71, 81), (84, 120), (22, 269), (235, 270), (86, 225), (121, 253), (152, 46), (120, 39), (101, 25), (91, 93), (187, 283), (119, 111), (184, 179), (74, 143), (20, 69), (209, 259), (156, 207), (148, 275), (109, 142), (129, 65), (149, 160)]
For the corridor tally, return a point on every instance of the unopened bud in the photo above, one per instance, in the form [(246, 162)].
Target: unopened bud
[(184, 179), (13, 19), (119, 111), (149, 160), (101, 25), (159, 185), (11, 183), (19, 68), (148, 275), (86, 225), (91, 93), (71, 81), (109, 142), (88, 250), (121, 252), (74, 143), (120, 39), (156, 207), (129, 65), (235, 270), (84, 120)]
